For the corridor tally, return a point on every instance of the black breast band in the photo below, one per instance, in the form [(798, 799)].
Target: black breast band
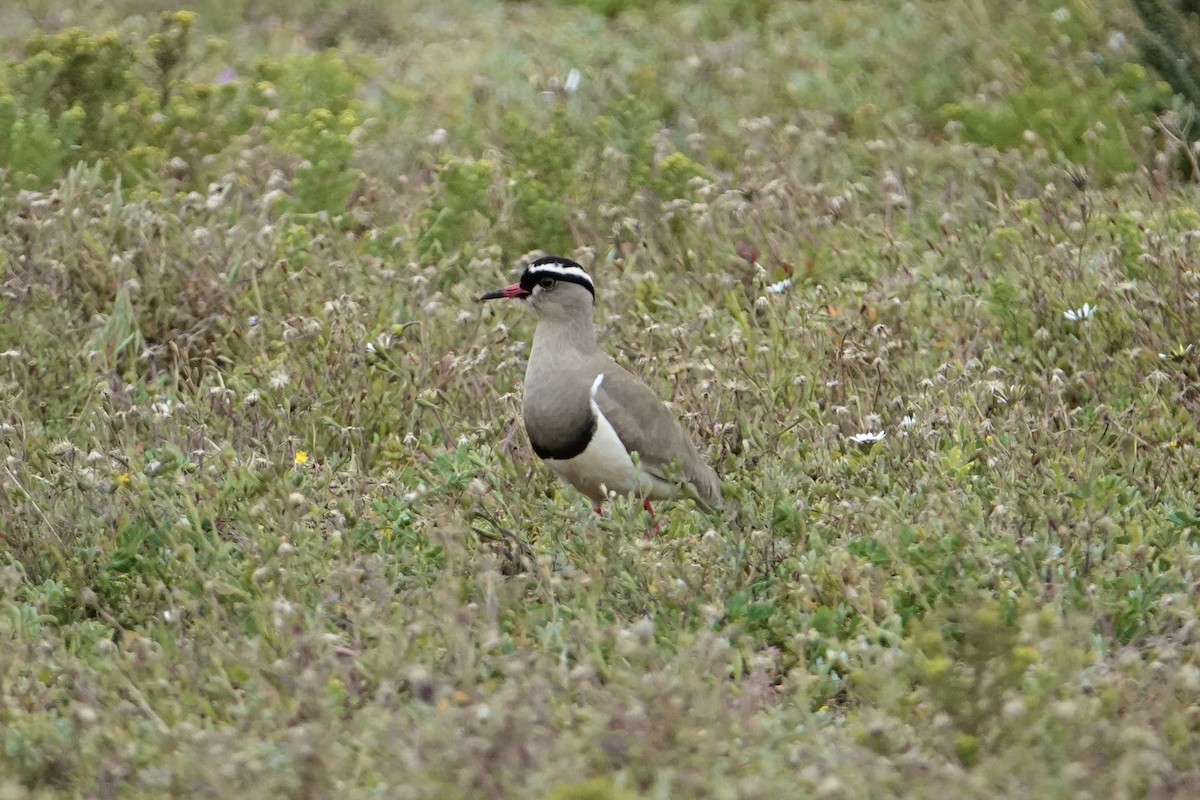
[(570, 448)]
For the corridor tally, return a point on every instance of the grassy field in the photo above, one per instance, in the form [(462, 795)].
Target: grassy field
[(269, 524)]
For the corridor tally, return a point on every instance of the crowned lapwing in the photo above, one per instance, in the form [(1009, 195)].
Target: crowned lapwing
[(586, 416)]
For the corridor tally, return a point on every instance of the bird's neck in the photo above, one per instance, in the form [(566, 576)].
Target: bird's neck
[(560, 350), (557, 339)]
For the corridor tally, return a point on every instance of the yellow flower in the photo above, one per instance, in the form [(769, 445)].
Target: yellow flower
[(125, 479), (301, 458)]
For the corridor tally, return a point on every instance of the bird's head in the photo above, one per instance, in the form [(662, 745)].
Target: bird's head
[(557, 288)]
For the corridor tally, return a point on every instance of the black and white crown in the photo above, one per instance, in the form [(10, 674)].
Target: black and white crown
[(559, 268)]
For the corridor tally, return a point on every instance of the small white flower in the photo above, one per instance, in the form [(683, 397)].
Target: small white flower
[(382, 344), (252, 397), (163, 408), (781, 287), (1178, 354), (571, 85), (11, 354), (280, 379), (869, 437), (1061, 15), (1081, 314)]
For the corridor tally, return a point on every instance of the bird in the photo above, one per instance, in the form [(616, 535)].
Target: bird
[(595, 424)]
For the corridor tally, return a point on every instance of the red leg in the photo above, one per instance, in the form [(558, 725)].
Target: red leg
[(655, 527)]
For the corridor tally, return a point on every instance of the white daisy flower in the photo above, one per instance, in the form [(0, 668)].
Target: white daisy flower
[(571, 85), (869, 437), (1081, 314), (1178, 354)]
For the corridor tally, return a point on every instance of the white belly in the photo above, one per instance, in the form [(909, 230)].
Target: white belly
[(605, 467)]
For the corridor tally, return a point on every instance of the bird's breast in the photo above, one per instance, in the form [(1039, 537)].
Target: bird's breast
[(558, 418), (551, 443)]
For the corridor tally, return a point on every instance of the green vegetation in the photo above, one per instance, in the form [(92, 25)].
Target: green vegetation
[(1168, 42), (269, 526)]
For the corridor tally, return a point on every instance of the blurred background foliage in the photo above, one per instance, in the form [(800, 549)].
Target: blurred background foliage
[(148, 92)]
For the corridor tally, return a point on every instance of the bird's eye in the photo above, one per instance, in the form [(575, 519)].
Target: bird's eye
[(547, 283)]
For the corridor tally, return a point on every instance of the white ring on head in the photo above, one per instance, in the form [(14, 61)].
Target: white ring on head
[(559, 270)]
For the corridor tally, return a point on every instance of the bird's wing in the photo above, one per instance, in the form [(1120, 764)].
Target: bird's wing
[(644, 425)]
